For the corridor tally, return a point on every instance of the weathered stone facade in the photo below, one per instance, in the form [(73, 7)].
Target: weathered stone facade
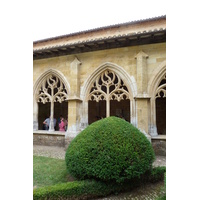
[(123, 77)]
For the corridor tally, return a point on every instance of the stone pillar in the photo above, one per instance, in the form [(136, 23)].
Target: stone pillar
[(75, 78), (142, 99), (152, 125), (73, 118), (133, 118), (142, 72), (74, 103), (142, 114)]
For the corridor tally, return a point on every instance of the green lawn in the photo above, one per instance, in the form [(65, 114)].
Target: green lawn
[(49, 171)]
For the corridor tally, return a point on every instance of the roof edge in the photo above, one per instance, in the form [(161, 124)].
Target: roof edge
[(100, 28)]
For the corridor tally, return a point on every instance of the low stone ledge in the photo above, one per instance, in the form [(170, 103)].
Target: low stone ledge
[(59, 139), (44, 132), (49, 138), (159, 137), (159, 145)]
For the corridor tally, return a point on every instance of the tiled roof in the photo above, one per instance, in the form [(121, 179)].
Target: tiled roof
[(115, 36), (100, 39), (104, 27)]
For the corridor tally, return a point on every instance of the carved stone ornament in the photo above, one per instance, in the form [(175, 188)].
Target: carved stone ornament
[(52, 90), (108, 86), (161, 90)]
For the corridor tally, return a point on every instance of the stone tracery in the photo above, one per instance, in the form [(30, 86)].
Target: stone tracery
[(160, 106), (161, 90), (52, 90), (108, 86)]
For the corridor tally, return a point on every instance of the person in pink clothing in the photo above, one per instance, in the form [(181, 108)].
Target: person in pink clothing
[(62, 125)]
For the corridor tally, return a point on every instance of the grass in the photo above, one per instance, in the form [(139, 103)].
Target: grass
[(49, 171), (52, 173)]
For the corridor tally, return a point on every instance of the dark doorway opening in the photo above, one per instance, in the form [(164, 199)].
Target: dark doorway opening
[(161, 115), (120, 109), (44, 112), (96, 110)]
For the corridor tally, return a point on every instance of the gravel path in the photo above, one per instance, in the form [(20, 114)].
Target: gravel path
[(49, 151), (59, 152)]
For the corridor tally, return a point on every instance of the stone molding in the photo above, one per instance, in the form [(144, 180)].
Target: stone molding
[(52, 71), (128, 80)]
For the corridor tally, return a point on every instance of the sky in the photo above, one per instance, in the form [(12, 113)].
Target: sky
[(55, 18)]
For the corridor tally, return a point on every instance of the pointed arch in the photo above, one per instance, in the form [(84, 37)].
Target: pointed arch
[(50, 87), (128, 81), (153, 89), (46, 74), (158, 73)]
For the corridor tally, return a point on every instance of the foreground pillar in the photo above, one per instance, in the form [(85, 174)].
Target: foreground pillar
[(74, 102), (142, 99), (143, 114)]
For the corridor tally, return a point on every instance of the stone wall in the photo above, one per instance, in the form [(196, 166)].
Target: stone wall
[(49, 139), (124, 57), (76, 70), (159, 146)]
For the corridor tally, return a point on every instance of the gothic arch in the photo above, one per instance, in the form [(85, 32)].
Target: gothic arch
[(49, 81), (129, 82), (47, 73), (153, 91), (156, 78)]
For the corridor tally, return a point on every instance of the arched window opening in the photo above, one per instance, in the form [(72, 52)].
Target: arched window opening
[(120, 109), (108, 96), (97, 110), (161, 107), (60, 109), (52, 101)]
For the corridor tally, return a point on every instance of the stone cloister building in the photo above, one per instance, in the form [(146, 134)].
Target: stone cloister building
[(117, 70)]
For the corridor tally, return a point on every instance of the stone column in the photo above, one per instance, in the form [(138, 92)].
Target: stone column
[(51, 125), (142, 99), (152, 116), (73, 117), (84, 115), (133, 118), (35, 115), (108, 107)]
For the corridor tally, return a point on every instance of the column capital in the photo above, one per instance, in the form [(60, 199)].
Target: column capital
[(140, 96), (74, 98)]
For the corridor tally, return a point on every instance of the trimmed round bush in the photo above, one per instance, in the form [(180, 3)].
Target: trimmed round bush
[(110, 149)]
